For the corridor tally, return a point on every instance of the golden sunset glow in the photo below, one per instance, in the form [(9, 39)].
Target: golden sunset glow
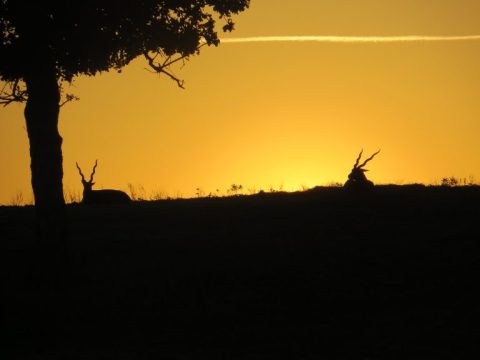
[(281, 114)]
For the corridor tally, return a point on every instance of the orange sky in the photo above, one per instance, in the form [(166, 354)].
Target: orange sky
[(280, 114)]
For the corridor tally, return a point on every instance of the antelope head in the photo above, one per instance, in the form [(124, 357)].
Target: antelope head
[(357, 175), (87, 185)]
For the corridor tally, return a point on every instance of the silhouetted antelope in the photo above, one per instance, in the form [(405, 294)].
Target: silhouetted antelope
[(100, 196), (357, 178)]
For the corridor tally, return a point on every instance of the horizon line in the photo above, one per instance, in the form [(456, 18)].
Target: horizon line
[(349, 39)]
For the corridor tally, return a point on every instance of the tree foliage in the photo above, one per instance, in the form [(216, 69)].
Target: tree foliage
[(91, 36)]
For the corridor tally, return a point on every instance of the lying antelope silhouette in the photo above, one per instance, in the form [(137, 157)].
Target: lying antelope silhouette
[(100, 196), (357, 178)]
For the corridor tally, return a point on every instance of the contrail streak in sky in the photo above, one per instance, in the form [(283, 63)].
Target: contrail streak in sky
[(349, 39)]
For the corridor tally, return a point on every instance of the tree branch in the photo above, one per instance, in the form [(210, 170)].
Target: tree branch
[(68, 98), (13, 91), (161, 67)]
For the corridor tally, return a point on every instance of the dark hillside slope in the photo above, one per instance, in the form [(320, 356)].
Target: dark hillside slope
[(391, 273)]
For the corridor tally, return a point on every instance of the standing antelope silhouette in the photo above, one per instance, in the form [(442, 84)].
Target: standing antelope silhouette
[(357, 178), (100, 196)]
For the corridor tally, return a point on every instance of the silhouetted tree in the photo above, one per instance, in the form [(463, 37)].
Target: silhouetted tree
[(45, 43)]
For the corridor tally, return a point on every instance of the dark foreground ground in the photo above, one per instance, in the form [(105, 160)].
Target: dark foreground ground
[(393, 274)]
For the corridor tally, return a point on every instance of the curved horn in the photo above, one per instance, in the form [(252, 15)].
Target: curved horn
[(93, 171), (366, 161), (80, 171), (358, 159)]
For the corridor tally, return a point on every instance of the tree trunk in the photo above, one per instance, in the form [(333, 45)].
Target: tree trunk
[(41, 115), (50, 264)]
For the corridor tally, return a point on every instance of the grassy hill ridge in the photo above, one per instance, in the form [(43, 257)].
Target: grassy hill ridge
[(390, 273)]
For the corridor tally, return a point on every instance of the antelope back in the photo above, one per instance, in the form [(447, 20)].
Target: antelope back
[(105, 197)]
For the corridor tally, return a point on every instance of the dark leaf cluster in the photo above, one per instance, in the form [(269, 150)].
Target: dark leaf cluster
[(91, 36)]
